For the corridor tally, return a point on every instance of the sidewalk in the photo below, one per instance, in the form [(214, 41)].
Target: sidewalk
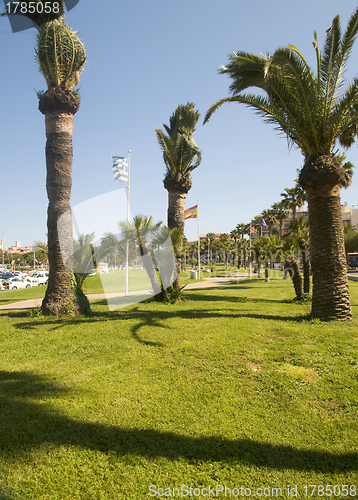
[(207, 283)]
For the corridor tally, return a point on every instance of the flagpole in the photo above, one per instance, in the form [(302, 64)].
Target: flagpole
[(198, 241), (250, 253), (127, 245)]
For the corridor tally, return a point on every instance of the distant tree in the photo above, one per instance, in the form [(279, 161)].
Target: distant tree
[(243, 229), (225, 244), (270, 219), (281, 213), (298, 228), (211, 238), (235, 235), (244, 246), (350, 239), (290, 249), (293, 198)]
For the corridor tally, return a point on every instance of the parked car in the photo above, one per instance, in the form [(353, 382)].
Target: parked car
[(31, 281), (40, 277), (15, 283), (6, 275)]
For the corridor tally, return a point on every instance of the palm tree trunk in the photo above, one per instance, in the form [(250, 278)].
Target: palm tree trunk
[(59, 105), (306, 265), (176, 205), (291, 267), (147, 263), (330, 298), (267, 278)]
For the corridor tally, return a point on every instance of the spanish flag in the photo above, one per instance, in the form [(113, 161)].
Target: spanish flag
[(191, 213)]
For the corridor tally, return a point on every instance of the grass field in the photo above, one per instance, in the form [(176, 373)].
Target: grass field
[(234, 386)]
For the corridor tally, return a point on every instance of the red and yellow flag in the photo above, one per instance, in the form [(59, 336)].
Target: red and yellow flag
[(191, 213)]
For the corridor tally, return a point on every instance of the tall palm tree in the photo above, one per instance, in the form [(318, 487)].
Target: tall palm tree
[(61, 58), (293, 198), (280, 213), (314, 111), (181, 156)]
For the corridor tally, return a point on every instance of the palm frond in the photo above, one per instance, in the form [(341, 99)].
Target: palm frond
[(180, 152), (60, 54)]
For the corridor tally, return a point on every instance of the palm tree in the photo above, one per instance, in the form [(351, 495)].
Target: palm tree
[(314, 111), (139, 233), (270, 219), (298, 229), (244, 246), (234, 235), (181, 156), (243, 229), (224, 239), (293, 198), (61, 58), (211, 237), (268, 245), (289, 249), (280, 213)]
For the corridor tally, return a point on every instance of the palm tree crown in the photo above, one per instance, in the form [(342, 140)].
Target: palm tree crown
[(293, 198), (181, 155), (312, 110)]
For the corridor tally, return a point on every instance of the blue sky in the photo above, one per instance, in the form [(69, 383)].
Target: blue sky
[(144, 58)]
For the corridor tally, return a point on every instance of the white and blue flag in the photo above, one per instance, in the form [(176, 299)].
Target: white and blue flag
[(120, 168)]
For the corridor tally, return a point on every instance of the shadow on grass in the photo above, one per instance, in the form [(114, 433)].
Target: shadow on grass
[(142, 318), (196, 296), (26, 425)]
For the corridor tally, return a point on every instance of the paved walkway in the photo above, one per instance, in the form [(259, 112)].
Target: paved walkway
[(207, 283)]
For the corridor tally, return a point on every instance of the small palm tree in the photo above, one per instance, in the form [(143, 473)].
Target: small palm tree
[(298, 228), (139, 233), (315, 112), (289, 249)]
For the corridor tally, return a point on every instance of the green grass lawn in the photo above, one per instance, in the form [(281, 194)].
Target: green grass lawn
[(234, 386)]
